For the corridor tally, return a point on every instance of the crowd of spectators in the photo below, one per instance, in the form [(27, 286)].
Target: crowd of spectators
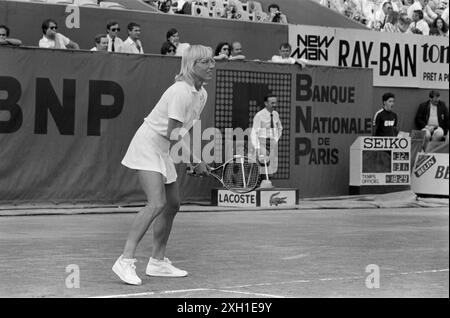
[(427, 17), (225, 9), (111, 42)]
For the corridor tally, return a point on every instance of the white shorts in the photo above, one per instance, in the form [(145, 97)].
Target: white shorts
[(149, 151)]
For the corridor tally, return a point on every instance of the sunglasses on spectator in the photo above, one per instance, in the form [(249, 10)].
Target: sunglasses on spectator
[(53, 28), (115, 29), (2, 34)]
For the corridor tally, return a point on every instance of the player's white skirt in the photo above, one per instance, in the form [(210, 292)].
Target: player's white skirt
[(148, 150)]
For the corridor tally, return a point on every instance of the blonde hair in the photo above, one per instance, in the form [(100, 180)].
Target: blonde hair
[(190, 56)]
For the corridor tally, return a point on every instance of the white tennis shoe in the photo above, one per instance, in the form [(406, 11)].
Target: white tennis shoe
[(163, 268), (126, 270)]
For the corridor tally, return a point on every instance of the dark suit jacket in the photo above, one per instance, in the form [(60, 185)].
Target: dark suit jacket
[(423, 113)]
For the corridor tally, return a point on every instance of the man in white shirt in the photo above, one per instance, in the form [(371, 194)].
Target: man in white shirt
[(266, 131), (101, 43), (54, 40), (382, 14), (132, 44), (285, 51), (419, 25), (114, 42), (417, 5)]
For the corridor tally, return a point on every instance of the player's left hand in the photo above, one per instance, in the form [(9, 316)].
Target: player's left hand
[(201, 169)]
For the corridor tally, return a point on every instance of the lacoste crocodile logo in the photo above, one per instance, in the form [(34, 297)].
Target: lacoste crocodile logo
[(275, 201)]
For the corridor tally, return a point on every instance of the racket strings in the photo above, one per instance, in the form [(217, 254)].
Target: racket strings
[(241, 175)]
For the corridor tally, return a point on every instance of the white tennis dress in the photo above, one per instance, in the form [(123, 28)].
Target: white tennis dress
[(150, 147)]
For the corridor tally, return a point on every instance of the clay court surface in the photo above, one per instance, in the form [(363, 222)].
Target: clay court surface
[(235, 254)]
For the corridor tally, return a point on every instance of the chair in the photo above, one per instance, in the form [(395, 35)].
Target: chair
[(32, 0), (85, 3), (216, 8), (254, 6), (111, 5), (242, 10), (60, 1), (199, 10)]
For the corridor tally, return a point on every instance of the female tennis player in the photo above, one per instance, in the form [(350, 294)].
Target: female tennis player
[(149, 154)]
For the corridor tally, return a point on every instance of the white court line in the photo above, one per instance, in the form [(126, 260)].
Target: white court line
[(266, 284), (294, 257), (337, 278), (152, 293), (248, 293), (187, 290)]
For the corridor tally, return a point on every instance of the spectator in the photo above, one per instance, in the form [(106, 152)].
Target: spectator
[(432, 117), (439, 27), (419, 26), (285, 56), (222, 51), (275, 15), (417, 5), (114, 42), (403, 22), (398, 23), (429, 14), (5, 39), (101, 43), (354, 9), (385, 120), (132, 44), (382, 14), (53, 39), (173, 37), (166, 6), (231, 11), (236, 51), (391, 24), (168, 48)]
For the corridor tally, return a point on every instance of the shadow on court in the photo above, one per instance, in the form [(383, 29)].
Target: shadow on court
[(290, 253)]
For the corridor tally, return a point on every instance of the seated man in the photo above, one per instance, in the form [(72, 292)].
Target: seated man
[(236, 52), (4, 37), (419, 25), (275, 15), (54, 40), (285, 56), (432, 117), (101, 43)]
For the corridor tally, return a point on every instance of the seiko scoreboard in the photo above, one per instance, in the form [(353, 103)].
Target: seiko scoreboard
[(380, 164)]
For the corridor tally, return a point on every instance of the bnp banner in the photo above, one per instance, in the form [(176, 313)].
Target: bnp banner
[(397, 60)]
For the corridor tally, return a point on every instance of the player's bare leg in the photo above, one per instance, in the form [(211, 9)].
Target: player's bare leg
[(163, 223), (158, 264), (153, 185)]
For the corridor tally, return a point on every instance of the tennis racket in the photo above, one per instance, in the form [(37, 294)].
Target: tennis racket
[(238, 174)]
